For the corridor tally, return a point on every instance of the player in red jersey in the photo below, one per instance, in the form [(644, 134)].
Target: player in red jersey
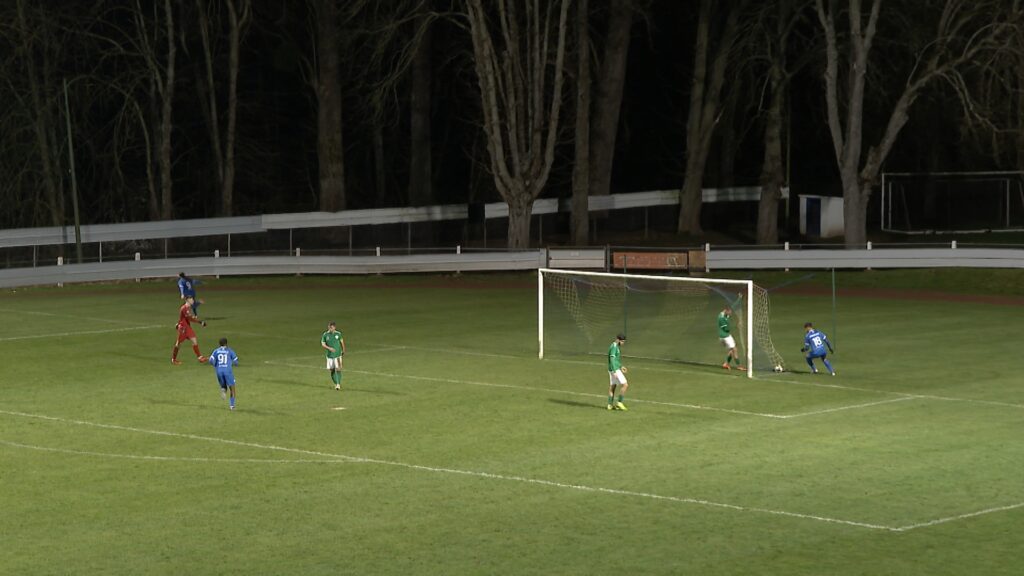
[(185, 332)]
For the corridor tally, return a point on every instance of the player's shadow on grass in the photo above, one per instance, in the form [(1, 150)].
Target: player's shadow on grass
[(577, 403)]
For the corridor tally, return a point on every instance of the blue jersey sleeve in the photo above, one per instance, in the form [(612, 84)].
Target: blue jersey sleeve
[(234, 358)]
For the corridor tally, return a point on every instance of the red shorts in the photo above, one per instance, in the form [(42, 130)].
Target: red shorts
[(185, 333)]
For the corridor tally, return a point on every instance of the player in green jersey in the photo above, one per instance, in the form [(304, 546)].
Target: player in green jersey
[(334, 343), (725, 337), (616, 374)]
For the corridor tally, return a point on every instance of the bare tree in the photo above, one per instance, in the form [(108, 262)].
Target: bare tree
[(608, 98), (327, 85), (521, 110), (965, 32), (34, 36), (238, 16), (711, 59), (581, 167), (163, 78), (421, 190), (780, 18)]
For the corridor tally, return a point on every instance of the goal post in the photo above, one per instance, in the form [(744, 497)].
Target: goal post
[(952, 202), (664, 317)]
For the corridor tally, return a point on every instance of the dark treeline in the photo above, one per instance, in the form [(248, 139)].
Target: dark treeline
[(199, 108)]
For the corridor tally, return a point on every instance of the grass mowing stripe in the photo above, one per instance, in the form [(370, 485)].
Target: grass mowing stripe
[(80, 333), (474, 473), (533, 388)]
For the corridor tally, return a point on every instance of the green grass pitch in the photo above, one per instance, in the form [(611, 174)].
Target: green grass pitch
[(457, 451)]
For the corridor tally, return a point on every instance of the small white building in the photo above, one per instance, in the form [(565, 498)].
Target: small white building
[(821, 216)]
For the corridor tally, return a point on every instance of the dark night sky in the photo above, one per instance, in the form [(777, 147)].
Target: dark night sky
[(277, 162)]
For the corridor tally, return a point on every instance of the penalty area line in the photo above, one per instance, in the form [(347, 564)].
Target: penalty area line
[(471, 473)]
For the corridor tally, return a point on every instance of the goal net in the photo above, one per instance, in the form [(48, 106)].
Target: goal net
[(937, 202), (663, 317)]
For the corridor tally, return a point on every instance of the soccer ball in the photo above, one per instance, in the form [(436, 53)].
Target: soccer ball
[(778, 368)]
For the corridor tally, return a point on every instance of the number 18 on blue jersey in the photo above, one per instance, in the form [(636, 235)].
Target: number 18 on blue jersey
[(817, 343)]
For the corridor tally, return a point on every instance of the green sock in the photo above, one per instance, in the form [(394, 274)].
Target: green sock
[(620, 397), (611, 399), (336, 377)]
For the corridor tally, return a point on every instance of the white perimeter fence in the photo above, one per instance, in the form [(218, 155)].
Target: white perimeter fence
[(459, 261)]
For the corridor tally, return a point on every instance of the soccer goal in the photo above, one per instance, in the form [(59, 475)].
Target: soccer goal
[(945, 202), (663, 317)]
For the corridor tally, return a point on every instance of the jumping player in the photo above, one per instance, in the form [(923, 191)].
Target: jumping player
[(815, 343), (222, 359), (185, 332), (187, 287)]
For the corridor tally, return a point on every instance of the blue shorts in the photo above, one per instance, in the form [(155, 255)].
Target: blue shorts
[(225, 379), (822, 355)]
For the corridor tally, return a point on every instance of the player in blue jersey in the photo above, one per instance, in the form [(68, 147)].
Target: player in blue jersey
[(223, 359), (815, 343), (187, 287)]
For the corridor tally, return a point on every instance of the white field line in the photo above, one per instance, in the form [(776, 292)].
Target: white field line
[(852, 407), (472, 473), (174, 458), (532, 388), (904, 394), (961, 517), (80, 333), (69, 316)]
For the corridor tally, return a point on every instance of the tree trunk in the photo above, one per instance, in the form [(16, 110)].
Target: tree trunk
[(772, 169), (330, 151), (421, 189), (520, 209), (166, 108), (729, 140), (608, 97), (210, 108), (855, 213), (705, 100), (41, 123), (379, 171), (581, 168), (238, 20), (690, 198), (153, 166)]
